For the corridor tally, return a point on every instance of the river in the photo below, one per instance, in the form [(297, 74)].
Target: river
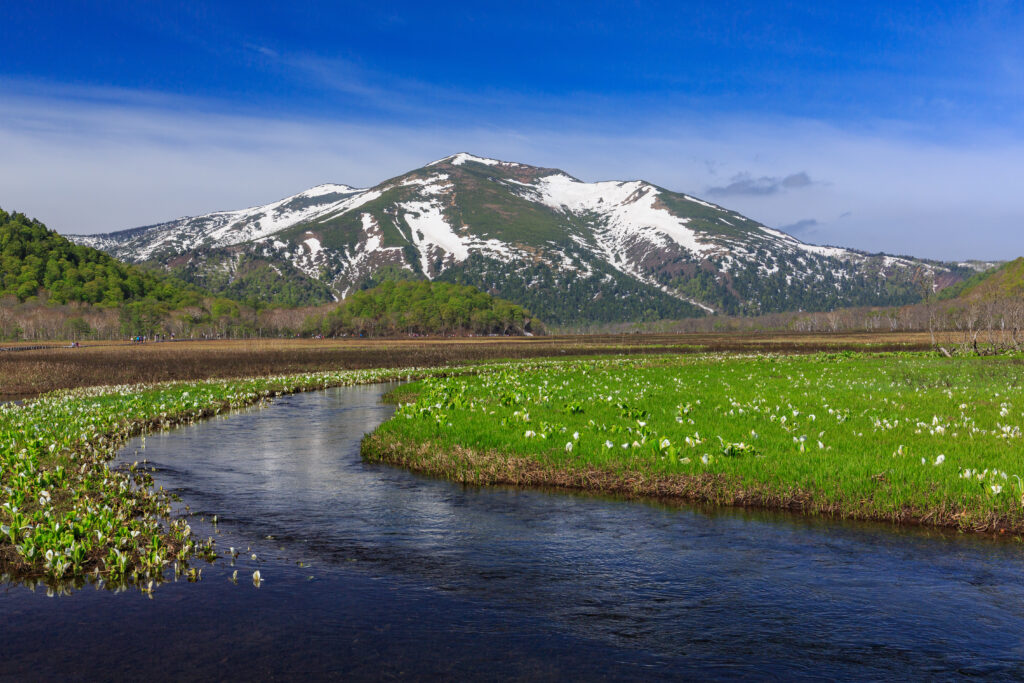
[(404, 576)]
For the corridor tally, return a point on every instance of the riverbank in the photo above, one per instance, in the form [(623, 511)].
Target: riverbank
[(65, 515), (901, 438)]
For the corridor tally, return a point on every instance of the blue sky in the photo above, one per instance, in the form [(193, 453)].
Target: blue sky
[(882, 126)]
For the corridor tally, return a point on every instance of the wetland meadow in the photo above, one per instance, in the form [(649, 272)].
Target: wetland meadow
[(576, 514)]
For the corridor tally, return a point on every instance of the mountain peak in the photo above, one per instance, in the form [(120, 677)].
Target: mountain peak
[(326, 188), (567, 249), (461, 158)]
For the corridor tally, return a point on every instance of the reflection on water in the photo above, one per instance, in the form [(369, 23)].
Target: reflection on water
[(405, 576)]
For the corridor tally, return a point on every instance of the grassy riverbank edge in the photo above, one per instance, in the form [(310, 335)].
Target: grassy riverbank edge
[(475, 468), (947, 424)]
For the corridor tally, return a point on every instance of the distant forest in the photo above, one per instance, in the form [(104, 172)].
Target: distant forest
[(423, 307)]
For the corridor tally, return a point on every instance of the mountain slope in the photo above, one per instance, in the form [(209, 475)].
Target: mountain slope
[(1005, 281), (570, 251)]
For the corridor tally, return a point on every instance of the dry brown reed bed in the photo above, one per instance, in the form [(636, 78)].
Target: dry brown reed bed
[(27, 373)]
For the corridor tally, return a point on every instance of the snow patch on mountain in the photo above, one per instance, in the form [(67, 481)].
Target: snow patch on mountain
[(255, 223), (701, 202), (432, 185), (792, 242), (630, 208), (461, 158), (228, 228), (431, 231), (348, 204), (834, 252), (327, 188), (314, 246)]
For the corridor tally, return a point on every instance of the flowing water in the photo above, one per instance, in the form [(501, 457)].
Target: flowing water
[(404, 576)]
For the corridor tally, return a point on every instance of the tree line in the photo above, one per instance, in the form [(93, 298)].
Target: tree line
[(422, 307)]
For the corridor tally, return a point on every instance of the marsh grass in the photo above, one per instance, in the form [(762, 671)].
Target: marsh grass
[(906, 438), (899, 437), (33, 372), (66, 516)]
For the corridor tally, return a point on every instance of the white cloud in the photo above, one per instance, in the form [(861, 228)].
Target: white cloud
[(92, 161)]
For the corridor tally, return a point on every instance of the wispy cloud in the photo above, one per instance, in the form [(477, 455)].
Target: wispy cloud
[(262, 49), (745, 184), (800, 227)]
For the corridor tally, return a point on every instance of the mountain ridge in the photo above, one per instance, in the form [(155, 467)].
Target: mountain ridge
[(567, 249)]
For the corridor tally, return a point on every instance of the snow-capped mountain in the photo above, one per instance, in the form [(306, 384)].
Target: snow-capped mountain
[(568, 249)]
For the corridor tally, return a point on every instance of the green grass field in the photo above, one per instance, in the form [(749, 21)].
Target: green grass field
[(908, 438)]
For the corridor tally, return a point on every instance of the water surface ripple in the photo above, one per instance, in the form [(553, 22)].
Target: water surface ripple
[(404, 576)]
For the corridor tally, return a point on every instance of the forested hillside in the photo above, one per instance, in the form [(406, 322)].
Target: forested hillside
[(54, 289), (36, 261), (423, 307), (1004, 281)]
